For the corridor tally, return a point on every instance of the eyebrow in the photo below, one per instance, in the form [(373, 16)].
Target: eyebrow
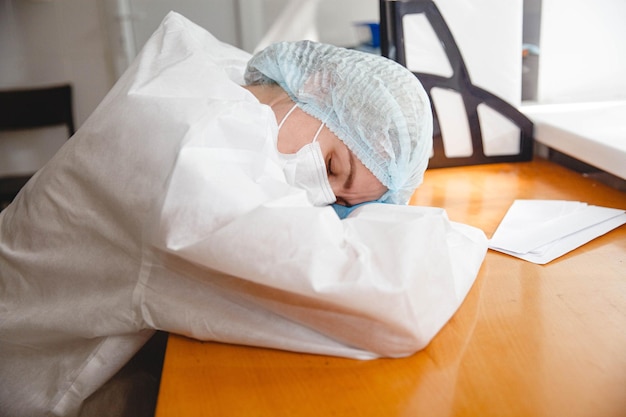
[(348, 183)]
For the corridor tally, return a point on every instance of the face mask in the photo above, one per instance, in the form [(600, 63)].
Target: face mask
[(306, 169)]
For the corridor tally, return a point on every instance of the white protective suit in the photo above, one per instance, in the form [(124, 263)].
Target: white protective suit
[(168, 210)]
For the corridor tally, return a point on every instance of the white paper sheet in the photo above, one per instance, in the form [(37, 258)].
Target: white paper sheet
[(540, 231)]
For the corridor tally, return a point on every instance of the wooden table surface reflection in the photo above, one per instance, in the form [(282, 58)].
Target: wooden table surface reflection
[(529, 340)]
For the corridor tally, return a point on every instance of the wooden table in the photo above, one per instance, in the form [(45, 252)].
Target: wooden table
[(529, 340)]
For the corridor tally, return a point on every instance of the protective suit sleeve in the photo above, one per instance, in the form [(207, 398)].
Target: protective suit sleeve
[(384, 280)]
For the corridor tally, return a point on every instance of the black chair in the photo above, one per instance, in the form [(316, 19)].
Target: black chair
[(28, 109), (393, 47)]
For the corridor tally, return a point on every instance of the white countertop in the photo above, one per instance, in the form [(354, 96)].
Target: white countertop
[(594, 133)]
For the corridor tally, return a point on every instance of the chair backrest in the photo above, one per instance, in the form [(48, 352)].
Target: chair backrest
[(31, 108), (393, 46), (28, 109)]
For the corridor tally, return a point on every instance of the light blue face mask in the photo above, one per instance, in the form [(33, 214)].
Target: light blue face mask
[(306, 169)]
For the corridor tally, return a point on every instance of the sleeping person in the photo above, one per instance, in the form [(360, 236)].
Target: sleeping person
[(253, 200)]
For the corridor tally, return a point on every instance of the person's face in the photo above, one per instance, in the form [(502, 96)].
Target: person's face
[(350, 180)]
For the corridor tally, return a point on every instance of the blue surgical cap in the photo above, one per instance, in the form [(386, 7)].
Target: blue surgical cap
[(374, 105)]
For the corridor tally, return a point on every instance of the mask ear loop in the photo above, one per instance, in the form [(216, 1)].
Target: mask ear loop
[(282, 122), (318, 132)]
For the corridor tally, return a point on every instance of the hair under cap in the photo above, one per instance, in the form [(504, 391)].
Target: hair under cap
[(375, 106)]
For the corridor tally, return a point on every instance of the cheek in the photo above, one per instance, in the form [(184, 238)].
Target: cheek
[(367, 187), (290, 141), (336, 185), (296, 133)]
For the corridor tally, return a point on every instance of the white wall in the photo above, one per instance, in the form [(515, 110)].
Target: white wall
[(583, 51), (328, 21), (45, 43), (89, 43)]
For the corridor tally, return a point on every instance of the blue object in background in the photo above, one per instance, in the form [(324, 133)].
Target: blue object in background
[(369, 33)]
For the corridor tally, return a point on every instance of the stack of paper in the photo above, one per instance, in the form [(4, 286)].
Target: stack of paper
[(540, 231)]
